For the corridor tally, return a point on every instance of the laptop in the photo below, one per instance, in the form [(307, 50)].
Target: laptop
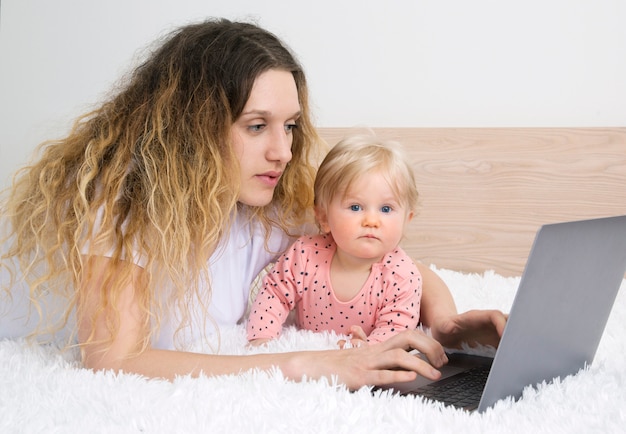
[(561, 307)]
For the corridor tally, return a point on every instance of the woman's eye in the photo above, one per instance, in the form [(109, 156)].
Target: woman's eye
[(256, 128), (386, 209), (290, 127), (355, 207)]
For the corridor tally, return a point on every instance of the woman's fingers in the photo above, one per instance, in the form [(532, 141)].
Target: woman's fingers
[(391, 361), (397, 363), (417, 340), (482, 327)]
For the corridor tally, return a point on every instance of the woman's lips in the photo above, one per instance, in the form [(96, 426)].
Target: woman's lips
[(269, 178)]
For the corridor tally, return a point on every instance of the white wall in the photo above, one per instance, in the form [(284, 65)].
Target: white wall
[(430, 63)]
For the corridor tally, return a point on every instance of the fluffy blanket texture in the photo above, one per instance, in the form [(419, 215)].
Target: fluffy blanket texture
[(43, 389)]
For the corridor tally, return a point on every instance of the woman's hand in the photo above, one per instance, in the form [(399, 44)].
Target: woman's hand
[(451, 329), (474, 327), (376, 364)]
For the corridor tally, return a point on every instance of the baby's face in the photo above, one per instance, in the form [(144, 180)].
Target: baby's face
[(367, 221)]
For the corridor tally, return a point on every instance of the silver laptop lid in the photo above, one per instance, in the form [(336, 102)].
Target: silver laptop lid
[(561, 307)]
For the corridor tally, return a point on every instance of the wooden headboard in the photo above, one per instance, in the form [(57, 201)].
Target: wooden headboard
[(484, 192)]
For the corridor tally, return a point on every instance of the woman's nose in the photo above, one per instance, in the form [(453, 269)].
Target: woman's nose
[(279, 148)]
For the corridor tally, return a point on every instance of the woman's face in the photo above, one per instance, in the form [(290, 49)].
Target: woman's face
[(262, 135)]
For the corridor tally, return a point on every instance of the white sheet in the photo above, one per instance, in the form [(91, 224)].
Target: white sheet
[(45, 390)]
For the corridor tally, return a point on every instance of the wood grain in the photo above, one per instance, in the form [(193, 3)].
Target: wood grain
[(484, 192)]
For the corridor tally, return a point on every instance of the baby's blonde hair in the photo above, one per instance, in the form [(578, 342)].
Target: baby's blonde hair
[(356, 156)]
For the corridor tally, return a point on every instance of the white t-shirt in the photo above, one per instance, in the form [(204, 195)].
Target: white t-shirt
[(233, 268)]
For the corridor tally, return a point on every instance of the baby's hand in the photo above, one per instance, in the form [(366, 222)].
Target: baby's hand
[(356, 338), (258, 342)]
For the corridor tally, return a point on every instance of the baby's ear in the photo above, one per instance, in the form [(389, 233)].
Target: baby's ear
[(322, 219)]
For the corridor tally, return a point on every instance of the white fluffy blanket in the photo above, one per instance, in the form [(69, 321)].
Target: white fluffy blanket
[(45, 390)]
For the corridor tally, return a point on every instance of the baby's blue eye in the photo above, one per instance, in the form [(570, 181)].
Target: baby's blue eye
[(386, 209), (355, 207)]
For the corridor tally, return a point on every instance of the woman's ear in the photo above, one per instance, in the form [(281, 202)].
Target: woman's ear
[(322, 219)]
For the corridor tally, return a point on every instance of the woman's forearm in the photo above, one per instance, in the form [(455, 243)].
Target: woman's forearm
[(437, 302), (167, 364), (378, 364)]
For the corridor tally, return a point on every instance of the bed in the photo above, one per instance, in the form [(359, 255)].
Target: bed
[(484, 192)]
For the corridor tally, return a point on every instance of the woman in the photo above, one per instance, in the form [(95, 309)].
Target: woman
[(154, 215)]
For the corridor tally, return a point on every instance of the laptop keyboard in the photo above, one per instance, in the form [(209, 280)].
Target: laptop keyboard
[(462, 390)]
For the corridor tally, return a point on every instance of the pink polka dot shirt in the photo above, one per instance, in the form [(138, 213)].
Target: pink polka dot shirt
[(388, 302)]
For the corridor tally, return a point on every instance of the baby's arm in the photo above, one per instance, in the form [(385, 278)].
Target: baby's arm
[(278, 295), (268, 312), (401, 309)]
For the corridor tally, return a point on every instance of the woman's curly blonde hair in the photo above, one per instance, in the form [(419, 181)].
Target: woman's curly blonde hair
[(152, 170)]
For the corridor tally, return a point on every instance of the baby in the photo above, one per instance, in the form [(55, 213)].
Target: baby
[(354, 273)]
